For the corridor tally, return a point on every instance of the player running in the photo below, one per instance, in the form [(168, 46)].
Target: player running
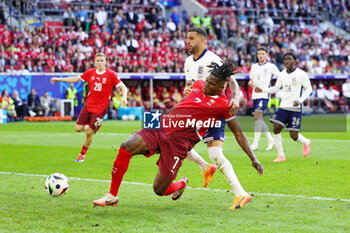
[(101, 81), (205, 102), (293, 82), (196, 69), (260, 75)]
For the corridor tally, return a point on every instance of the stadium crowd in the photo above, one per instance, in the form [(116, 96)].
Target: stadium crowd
[(140, 39)]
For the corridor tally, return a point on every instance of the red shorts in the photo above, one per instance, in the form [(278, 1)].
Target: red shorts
[(172, 151), (94, 120)]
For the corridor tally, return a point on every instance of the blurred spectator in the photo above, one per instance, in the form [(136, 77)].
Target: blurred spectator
[(101, 16), (34, 103), (82, 16), (131, 17), (137, 98), (69, 17), (346, 94), (2, 16), (167, 98), (46, 104), (206, 22), (321, 97), (332, 96), (72, 95), (176, 96), (23, 71), (175, 16), (21, 107), (7, 103), (11, 70), (196, 20)]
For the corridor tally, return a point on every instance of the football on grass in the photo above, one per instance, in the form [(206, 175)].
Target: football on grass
[(56, 184)]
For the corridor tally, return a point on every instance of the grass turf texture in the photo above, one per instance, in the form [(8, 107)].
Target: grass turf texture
[(45, 148)]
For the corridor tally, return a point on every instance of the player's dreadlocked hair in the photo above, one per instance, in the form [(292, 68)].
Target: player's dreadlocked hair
[(224, 71)]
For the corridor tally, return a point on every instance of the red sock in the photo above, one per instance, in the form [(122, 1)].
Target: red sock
[(173, 187), (120, 166), (84, 150)]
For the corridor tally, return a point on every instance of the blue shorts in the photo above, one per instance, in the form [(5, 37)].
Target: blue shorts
[(259, 105), (289, 119), (215, 133)]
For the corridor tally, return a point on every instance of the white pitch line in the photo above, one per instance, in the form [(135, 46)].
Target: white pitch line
[(128, 134), (194, 188)]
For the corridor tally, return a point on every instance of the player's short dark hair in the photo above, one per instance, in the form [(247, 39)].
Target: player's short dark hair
[(262, 48), (200, 31), (224, 71), (290, 54)]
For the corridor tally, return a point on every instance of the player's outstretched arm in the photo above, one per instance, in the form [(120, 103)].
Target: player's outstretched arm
[(234, 103), (124, 92), (244, 144), (188, 88), (67, 80)]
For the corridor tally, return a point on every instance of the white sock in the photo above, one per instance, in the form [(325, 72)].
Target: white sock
[(225, 167), (278, 144), (266, 131), (193, 156), (302, 139), (257, 132)]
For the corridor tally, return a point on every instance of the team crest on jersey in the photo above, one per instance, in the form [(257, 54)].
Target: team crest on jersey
[(93, 78), (211, 102), (196, 90), (104, 80), (200, 70), (265, 70), (294, 79)]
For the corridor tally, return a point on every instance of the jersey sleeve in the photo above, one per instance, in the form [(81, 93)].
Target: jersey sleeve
[(305, 82), (188, 78), (275, 88), (274, 70), (199, 84), (86, 75), (252, 74)]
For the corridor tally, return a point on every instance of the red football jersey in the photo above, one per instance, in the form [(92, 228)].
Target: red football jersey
[(100, 89), (197, 107)]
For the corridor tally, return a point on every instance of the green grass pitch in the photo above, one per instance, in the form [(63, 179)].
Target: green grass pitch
[(300, 195)]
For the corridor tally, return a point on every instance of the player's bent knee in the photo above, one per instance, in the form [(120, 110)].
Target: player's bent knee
[(159, 190), (79, 128), (294, 135)]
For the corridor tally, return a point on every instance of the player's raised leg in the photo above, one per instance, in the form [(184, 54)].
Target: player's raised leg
[(225, 167), (301, 139), (164, 186), (134, 145), (208, 170)]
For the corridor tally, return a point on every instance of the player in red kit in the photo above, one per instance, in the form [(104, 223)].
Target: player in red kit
[(101, 81), (182, 128)]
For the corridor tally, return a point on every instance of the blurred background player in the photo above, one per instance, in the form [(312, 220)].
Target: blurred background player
[(260, 75), (72, 95), (293, 82), (173, 143), (196, 68), (101, 81)]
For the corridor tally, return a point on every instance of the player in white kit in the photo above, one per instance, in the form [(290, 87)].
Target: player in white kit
[(296, 88), (196, 68), (260, 75)]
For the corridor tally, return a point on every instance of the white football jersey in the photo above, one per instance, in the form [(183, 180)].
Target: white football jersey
[(198, 69), (292, 85), (261, 76)]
